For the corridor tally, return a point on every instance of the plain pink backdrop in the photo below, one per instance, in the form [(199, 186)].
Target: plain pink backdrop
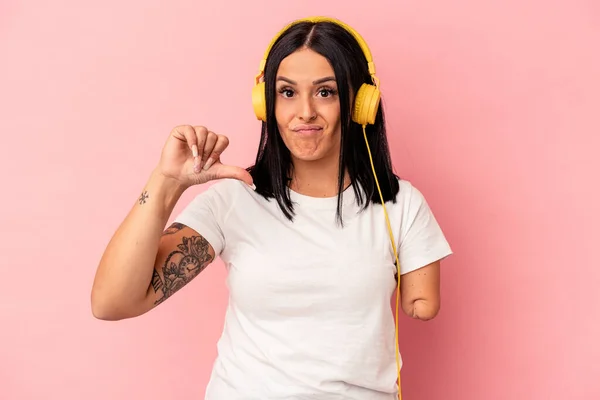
[(493, 113)]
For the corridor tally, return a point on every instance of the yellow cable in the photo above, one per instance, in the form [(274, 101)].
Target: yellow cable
[(395, 254)]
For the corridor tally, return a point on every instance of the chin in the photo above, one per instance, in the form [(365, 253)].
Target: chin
[(306, 157)]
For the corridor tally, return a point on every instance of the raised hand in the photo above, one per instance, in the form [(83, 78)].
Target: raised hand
[(191, 156)]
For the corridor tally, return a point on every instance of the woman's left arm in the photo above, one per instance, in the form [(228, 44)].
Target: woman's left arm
[(420, 292)]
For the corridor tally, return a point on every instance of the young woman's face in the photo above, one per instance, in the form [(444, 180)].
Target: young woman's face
[(307, 106)]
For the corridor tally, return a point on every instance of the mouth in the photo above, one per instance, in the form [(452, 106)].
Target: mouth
[(307, 129)]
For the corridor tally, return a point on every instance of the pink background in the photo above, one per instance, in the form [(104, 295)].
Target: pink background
[(493, 113)]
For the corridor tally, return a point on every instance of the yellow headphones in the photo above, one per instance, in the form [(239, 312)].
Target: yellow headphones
[(368, 96), (366, 105)]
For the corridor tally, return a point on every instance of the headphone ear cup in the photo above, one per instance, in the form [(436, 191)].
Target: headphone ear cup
[(259, 102), (366, 104)]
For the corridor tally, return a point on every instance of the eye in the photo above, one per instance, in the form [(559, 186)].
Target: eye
[(326, 92), (286, 92)]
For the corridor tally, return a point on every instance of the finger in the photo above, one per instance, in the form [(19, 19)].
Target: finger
[(187, 134), (200, 133), (233, 172), (211, 141), (221, 143)]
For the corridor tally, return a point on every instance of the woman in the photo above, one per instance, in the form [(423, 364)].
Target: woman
[(311, 269)]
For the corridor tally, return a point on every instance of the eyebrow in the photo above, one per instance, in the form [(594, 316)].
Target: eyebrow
[(317, 82)]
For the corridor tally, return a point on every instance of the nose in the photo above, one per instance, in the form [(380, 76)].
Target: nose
[(307, 111)]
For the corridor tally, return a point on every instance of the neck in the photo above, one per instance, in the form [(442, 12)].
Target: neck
[(317, 178)]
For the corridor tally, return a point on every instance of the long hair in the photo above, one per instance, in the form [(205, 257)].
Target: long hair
[(271, 171)]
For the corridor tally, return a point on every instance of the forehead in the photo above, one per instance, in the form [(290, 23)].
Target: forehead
[(305, 64)]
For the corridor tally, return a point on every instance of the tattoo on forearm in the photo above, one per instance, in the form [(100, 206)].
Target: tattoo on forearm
[(143, 197), (181, 266), (174, 228)]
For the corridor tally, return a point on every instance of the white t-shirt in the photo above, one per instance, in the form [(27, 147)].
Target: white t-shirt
[(309, 314)]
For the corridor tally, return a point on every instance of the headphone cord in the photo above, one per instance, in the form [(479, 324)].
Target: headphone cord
[(389, 226)]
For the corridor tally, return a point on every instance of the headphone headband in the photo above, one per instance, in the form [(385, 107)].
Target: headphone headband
[(362, 43)]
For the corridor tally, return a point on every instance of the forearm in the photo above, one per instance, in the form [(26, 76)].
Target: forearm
[(422, 309), (126, 267)]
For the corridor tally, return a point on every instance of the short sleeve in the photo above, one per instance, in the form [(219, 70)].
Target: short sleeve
[(205, 214), (422, 240)]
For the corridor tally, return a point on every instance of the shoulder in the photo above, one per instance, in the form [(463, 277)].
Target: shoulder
[(409, 194), (219, 196), (411, 204), (226, 188)]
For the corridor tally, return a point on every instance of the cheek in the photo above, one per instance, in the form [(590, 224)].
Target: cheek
[(283, 112), (332, 115)]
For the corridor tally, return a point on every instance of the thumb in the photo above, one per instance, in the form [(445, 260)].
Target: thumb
[(233, 172)]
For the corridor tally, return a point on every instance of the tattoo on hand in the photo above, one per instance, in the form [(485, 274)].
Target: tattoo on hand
[(182, 265), (143, 197)]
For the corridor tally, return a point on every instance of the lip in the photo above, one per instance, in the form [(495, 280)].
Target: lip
[(307, 129)]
